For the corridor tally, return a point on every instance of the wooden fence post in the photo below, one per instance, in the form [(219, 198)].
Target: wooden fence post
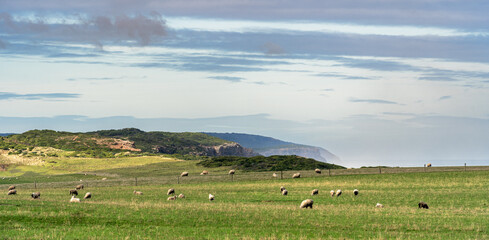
[(465, 167), (35, 185), (178, 179), (135, 178), (281, 175), (329, 171), (380, 170)]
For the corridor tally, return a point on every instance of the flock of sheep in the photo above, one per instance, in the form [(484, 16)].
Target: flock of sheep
[(308, 203)]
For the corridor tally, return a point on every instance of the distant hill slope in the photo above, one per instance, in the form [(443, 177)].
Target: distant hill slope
[(107, 143), (268, 146), (271, 163)]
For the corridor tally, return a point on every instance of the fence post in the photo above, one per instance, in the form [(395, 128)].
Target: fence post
[(329, 171), (380, 170), (465, 167), (178, 179), (232, 177), (281, 175), (135, 178), (35, 185)]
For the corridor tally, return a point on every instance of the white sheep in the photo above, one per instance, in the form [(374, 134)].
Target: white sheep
[(184, 174), (307, 203), (170, 191), (338, 192), (318, 171), (285, 192), (88, 195), (355, 192), (181, 195), (379, 205), (137, 192), (232, 171), (296, 175), (74, 199), (274, 175), (211, 197), (171, 198), (315, 192), (332, 192)]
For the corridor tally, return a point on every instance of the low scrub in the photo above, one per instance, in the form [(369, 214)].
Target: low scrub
[(271, 163)]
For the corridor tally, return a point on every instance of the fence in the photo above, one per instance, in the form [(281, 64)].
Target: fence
[(41, 183)]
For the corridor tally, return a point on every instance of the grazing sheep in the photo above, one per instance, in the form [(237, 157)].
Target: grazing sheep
[(74, 199), (170, 191), (296, 175), (88, 195), (73, 192), (12, 192), (184, 174), (282, 188), (318, 171), (315, 192), (205, 172), (285, 192), (11, 187), (78, 187), (274, 175), (428, 165), (171, 198), (332, 193), (355, 192), (379, 205), (307, 203), (423, 205), (137, 192), (211, 197), (181, 195), (36, 195), (232, 171), (338, 192), (103, 179)]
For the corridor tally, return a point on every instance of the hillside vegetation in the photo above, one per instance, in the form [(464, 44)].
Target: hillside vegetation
[(271, 163), (110, 143)]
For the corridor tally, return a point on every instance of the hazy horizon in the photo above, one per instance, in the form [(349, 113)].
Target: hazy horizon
[(374, 82)]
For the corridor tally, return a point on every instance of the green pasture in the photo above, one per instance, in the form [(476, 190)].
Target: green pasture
[(250, 207)]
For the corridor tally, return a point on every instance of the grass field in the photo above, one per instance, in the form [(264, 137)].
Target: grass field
[(251, 208)]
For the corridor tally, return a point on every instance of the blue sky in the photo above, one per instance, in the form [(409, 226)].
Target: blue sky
[(396, 83)]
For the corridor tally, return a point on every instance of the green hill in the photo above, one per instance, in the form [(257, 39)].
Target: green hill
[(107, 143), (271, 163)]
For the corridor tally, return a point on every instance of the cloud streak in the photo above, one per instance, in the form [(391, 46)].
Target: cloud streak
[(37, 96), (374, 101)]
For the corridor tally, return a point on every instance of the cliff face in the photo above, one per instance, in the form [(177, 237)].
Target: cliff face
[(317, 153), (229, 149), (226, 149)]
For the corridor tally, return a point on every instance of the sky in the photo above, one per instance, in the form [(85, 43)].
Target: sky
[(375, 82)]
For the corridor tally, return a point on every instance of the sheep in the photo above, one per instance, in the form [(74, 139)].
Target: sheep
[(36, 195), (338, 192), (170, 191), (181, 195), (315, 192), (355, 192), (103, 179), (423, 205), (78, 187), (88, 195), (184, 174), (274, 175), (296, 175), (332, 192), (137, 192), (285, 192), (428, 165), (211, 197), (171, 198), (379, 205), (12, 192), (11, 188), (74, 199), (232, 171), (205, 172), (318, 171), (282, 188), (73, 192), (307, 203)]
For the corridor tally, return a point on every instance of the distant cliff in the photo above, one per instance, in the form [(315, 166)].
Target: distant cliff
[(268, 146)]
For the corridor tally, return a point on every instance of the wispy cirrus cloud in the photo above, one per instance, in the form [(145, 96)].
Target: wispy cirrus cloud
[(227, 78), (38, 96), (375, 101)]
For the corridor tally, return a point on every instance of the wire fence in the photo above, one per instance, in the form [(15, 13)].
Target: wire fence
[(44, 183)]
